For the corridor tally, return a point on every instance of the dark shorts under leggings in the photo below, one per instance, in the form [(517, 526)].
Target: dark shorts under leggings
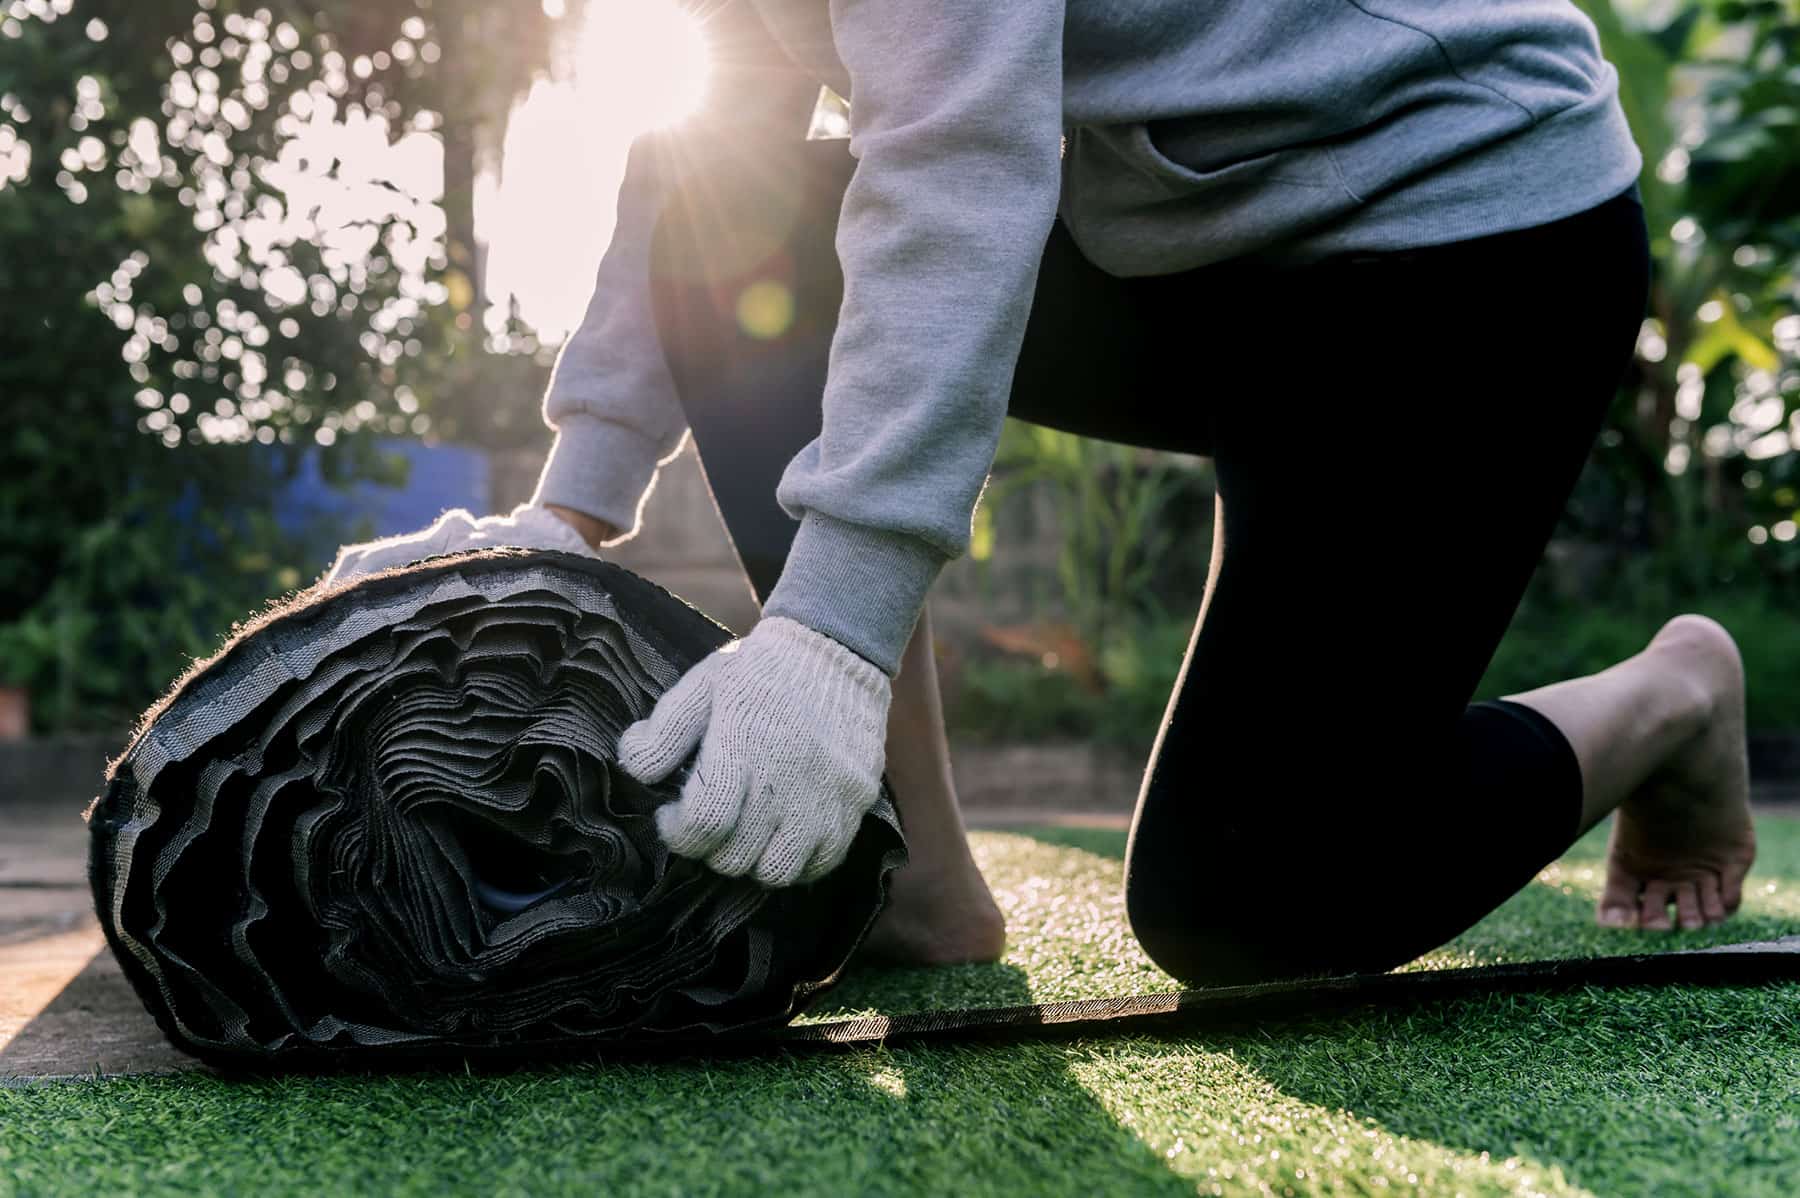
[(1395, 437)]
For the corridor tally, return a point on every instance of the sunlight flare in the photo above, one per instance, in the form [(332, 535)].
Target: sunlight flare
[(639, 65), (636, 65)]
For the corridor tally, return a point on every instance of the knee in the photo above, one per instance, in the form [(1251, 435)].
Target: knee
[(1233, 911), (1300, 910), (1200, 919)]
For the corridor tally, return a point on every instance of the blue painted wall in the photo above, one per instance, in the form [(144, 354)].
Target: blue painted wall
[(438, 477), (324, 515)]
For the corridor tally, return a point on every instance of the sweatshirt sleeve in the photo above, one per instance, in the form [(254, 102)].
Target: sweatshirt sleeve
[(956, 126), (611, 399)]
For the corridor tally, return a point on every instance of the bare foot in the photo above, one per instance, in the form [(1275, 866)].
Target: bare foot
[(1685, 836), (947, 918)]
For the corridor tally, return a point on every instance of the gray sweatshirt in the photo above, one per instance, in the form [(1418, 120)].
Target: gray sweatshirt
[(1195, 132)]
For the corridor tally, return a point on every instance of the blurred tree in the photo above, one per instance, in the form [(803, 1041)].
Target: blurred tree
[(1697, 480), (229, 232)]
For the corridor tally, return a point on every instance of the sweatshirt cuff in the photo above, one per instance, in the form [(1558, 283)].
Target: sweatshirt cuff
[(599, 468), (863, 587)]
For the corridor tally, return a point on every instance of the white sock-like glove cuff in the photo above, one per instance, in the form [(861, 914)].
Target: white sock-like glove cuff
[(456, 531)]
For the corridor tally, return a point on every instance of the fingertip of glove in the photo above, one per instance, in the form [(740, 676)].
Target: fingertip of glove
[(822, 863), (693, 828), (669, 823), (783, 862), (636, 754), (834, 849)]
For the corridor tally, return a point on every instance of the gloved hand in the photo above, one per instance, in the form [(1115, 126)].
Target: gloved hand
[(456, 531), (792, 732)]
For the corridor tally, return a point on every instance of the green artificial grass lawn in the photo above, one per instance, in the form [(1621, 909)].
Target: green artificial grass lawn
[(1667, 1092)]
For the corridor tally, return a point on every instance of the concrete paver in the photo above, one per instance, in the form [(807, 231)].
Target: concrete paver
[(65, 1008)]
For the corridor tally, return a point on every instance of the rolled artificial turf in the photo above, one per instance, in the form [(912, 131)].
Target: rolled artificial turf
[(385, 823)]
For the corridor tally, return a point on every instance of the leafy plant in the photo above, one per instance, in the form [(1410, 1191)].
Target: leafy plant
[(1550, 640), (1699, 454), (1112, 504), (140, 594), (1023, 698), (208, 247)]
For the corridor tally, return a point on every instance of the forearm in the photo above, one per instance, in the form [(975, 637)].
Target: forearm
[(956, 126), (611, 399), (594, 532)]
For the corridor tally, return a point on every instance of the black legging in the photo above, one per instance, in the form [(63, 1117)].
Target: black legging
[(1394, 438)]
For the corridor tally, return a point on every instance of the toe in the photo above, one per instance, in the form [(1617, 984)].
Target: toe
[(1712, 902), (1731, 886), (1687, 906), (1653, 908), (1619, 900)]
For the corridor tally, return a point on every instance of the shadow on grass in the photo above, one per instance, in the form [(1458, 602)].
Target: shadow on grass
[(1681, 1091), (1678, 1090), (1667, 1090), (952, 1119)]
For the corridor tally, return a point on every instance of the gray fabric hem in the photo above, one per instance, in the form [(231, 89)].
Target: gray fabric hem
[(601, 468), (1500, 189), (863, 587)]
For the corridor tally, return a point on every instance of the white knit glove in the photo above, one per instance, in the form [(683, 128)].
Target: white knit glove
[(456, 531), (792, 732)]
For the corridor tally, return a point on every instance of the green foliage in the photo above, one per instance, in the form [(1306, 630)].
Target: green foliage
[(1009, 698), (1111, 503), (1121, 539), (221, 229), (1020, 699), (138, 595), (1699, 455), (1551, 640)]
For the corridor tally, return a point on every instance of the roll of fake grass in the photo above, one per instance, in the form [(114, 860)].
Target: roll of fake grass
[(384, 823)]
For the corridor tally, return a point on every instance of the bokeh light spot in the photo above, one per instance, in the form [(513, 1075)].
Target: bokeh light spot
[(765, 309)]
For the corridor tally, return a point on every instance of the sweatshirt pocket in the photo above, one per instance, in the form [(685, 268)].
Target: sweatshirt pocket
[(1136, 210), (1296, 166), (1542, 55)]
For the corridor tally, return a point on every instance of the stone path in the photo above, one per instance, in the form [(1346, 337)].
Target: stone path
[(64, 1006)]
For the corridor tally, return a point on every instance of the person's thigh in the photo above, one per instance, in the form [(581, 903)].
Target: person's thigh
[(1386, 487), (1110, 358)]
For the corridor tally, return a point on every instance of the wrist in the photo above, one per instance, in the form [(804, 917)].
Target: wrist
[(591, 529), (819, 650), (599, 469), (861, 586)]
